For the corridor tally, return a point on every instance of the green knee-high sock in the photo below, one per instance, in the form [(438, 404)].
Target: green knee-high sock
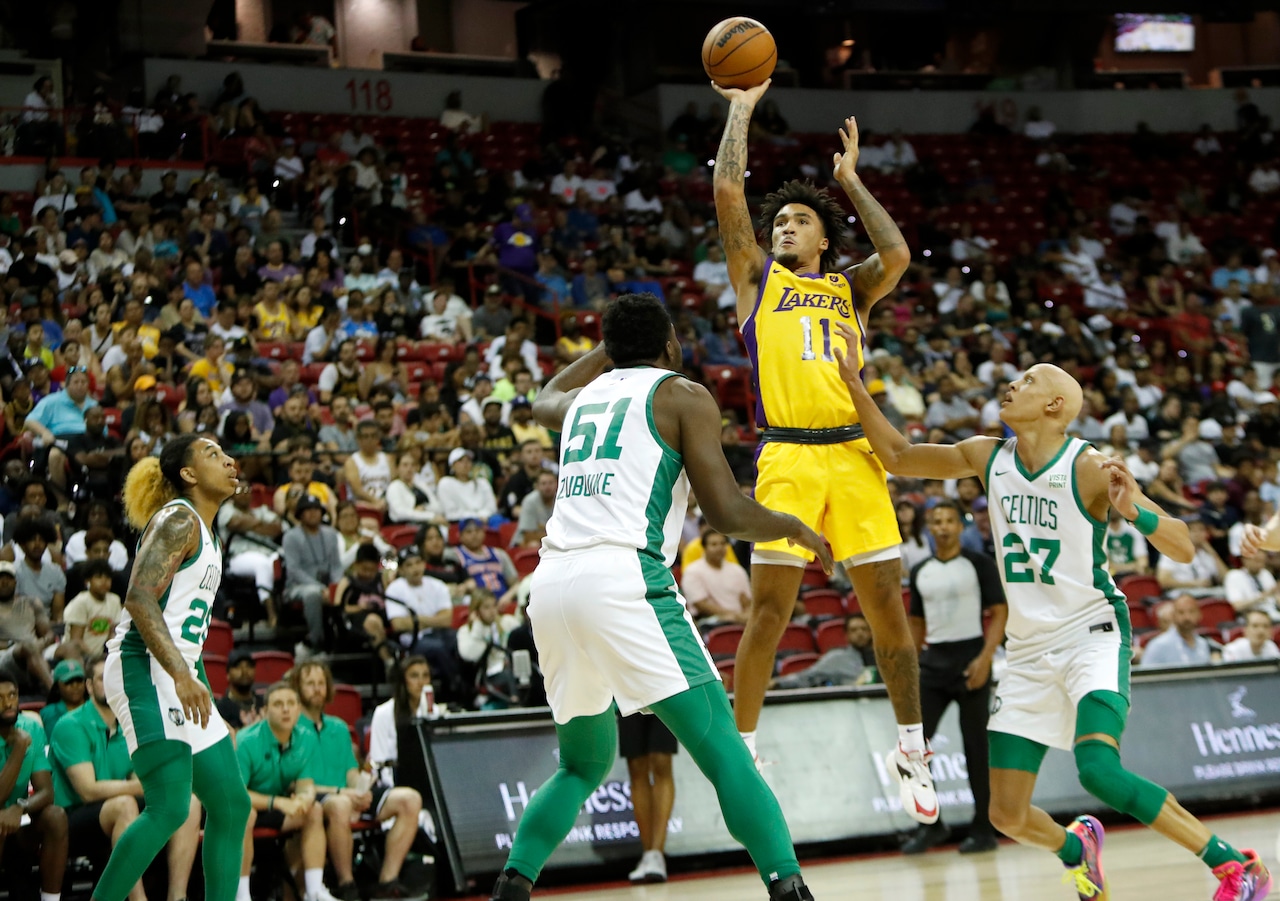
[(217, 783), (702, 721), (164, 768), (588, 749), (1217, 852)]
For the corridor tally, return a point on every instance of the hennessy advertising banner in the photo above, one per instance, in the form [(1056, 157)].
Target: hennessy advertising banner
[(1208, 734)]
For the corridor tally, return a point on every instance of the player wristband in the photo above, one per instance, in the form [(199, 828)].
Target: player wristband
[(271, 803), (1147, 521)]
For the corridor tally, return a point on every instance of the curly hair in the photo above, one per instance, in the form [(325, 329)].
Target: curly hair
[(636, 328), (154, 481), (828, 210)]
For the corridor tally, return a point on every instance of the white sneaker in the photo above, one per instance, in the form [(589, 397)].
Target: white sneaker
[(915, 783), (651, 868), (322, 895)]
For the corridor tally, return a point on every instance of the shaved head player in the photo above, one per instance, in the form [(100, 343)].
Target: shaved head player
[(1069, 640), (814, 462)]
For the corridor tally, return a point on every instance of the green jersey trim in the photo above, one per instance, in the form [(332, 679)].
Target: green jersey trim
[(986, 476), (1030, 477), (667, 450)]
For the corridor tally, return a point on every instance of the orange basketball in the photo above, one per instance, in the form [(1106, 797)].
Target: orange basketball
[(739, 53)]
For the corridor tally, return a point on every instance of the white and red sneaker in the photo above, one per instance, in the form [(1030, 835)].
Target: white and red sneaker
[(915, 783)]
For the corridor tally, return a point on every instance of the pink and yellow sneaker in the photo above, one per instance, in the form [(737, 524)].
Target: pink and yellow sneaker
[(1087, 876), (1248, 881)]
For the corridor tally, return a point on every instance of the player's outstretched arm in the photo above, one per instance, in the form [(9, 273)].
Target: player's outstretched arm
[(1261, 538), (1170, 536), (898, 455), (552, 402), (742, 251), (697, 420), (877, 275)]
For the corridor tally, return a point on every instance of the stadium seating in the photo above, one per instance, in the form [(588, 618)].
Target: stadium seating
[(796, 663), (830, 635), (722, 641)]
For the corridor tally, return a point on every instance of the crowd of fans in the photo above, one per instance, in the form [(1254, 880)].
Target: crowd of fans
[(365, 329)]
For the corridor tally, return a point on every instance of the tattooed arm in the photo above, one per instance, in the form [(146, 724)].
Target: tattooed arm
[(741, 250), (877, 275), (170, 538)]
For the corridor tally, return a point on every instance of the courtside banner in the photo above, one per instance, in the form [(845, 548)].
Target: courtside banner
[(1204, 734)]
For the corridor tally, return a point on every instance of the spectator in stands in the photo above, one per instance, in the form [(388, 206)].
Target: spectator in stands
[(410, 498), (244, 399), (420, 615), (69, 693), (1252, 587), (716, 590), (845, 665), (31, 797), (721, 343), (1218, 516), (300, 484), (967, 247), (1184, 247), (1181, 644), (409, 699), (951, 413), (241, 706), (1264, 180), (276, 757), (91, 615), (462, 494), (454, 118), (313, 562), (361, 606), (1206, 142), (491, 568), (344, 793), (93, 780), (515, 242), (341, 377), (354, 532), (535, 511), (1127, 552), (1202, 577), (1255, 644), (36, 578), (367, 472)]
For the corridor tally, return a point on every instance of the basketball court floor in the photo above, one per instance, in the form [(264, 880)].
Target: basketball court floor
[(1140, 865)]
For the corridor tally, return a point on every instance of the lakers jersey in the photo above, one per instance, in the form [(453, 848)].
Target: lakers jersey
[(790, 337), (1051, 552)]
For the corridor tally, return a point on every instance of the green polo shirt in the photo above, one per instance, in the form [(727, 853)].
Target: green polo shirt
[(335, 756), (33, 761), (81, 736), (51, 713), (269, 770)]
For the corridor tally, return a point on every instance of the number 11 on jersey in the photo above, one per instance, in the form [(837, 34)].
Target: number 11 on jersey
[(806, 326)]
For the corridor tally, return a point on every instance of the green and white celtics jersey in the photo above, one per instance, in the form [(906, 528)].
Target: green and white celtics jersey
[(187, 604), (620, 484), (1051, 551)]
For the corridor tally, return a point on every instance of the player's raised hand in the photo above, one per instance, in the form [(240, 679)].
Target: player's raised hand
[(1122, 488), (844, 163), (1259, 539), (749, 96), (810, 540), (848, 360)]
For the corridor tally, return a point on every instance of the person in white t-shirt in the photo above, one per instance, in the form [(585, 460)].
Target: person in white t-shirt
[(91, 616), (716, 590), (1206, 142), (712, 274), (1256, 642), (1036, 127), (566, 184), (1252, 587), (417, 604)]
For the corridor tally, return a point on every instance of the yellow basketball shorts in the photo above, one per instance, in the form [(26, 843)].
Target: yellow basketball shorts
[(836, 489)]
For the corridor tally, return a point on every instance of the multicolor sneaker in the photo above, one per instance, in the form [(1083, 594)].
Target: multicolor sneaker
[(915, 783), (1248, 881), (1090, 884)]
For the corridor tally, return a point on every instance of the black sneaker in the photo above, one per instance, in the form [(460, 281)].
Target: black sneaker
[(348, 891), (979, 842), (395, 890), (511, 886), (790, 889), (926, 837)]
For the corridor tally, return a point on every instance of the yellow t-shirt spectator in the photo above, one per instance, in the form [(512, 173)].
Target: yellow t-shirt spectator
[(693, 551), (148, 334), (277, 326), (218, 377), (571, 348)]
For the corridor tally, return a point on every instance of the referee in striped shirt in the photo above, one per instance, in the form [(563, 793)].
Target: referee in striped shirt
[(950, 592)]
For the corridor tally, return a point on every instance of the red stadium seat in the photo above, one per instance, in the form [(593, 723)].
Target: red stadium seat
[(726, 673), (367, 511), (830, 635), (271, 666), (1140, 616), (346, 704), (461, 614), (220, 639), (722, 641), (823, 602), (797, 639), (1215, 611), (796, 663), (1137, 588), (401, 535), (525, 560), (215, 669), (813, 576)]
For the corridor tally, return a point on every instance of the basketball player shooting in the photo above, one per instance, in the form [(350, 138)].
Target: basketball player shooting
[(815, 462), (1069, 640)]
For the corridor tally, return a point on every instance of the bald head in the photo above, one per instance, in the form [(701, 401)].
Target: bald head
[(1060, 385)]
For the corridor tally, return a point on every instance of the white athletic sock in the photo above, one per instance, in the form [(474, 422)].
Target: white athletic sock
[(750, 739), (242, 891), (51, 896), (313, 880), (911, 737)]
